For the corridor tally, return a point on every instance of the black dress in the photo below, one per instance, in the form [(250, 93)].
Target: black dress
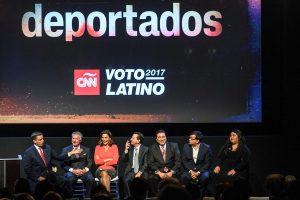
[(228, 160)]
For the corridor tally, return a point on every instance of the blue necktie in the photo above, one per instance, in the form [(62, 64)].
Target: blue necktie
[(136, 161)]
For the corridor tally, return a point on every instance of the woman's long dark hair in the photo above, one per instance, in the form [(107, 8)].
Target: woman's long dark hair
[(109, 135), (227, 146)]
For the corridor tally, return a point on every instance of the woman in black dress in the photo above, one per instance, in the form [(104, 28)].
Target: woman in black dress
[(232, 163)]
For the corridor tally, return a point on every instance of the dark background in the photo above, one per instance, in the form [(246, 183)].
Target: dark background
[(280, 81)]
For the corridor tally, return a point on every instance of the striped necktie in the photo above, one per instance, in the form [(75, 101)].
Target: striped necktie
[(163, 151), (43, 156)]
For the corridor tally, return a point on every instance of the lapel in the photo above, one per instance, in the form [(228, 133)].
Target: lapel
[(190, 151), (37, 154), (199, 152), (159, 153), (141, 152), (83, 151), (47, 154), (168, 151), (68, 149), (130, 154)]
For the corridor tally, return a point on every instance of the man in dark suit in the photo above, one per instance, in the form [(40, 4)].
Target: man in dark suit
[(78, 165), (37, 159), (196, 159), (164, 160), (135, 157)]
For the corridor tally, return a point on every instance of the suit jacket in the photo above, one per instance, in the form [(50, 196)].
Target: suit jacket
[(79, 161), (203, 162), (143, 159), (34, 166), (156, 161)]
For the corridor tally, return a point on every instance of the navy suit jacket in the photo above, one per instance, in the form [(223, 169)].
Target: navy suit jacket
[(34, 166), (143, 159), (203, 162), (156, 161), (77, 162)]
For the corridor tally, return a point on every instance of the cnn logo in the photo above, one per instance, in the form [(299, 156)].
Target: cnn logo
[(87, 82)]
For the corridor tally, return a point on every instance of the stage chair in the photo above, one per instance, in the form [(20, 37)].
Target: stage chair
[(259, 198), (208, 198), (114, 185), (79, 189)]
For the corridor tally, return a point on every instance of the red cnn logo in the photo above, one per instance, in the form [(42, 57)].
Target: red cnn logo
[(87, 82)]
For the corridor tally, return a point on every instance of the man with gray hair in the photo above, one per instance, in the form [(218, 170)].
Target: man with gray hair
[(78, 165)]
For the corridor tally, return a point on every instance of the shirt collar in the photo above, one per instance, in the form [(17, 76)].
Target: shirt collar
[(76, 147), (37, 147), (196, 147), (137, 147), (162, 146)]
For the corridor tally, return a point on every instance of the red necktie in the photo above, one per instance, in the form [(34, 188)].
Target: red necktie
[(43, 156), (163, 152)]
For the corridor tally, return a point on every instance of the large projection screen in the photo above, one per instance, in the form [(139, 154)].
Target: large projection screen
[(193, 61)]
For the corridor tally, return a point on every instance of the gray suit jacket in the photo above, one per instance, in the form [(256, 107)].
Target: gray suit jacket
[(143, 159)]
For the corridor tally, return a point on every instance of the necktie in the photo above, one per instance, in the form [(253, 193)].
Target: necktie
[(136, 161), (163, 151), (43, 156), (76, 155)]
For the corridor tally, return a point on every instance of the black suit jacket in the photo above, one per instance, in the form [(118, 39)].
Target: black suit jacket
[(77, 162), (203, 162), (143, 159), (34, 166), (156, 161)]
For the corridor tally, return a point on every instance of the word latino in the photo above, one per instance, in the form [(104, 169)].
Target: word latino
[(151, 86)]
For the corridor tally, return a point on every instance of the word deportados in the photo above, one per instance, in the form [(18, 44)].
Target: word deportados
[(54, 23), (127, 87)]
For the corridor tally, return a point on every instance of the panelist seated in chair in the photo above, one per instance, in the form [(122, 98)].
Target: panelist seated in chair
[(163, 161), (106, 158), (232, 163), (196, 160), (78, 165), (135, 157)]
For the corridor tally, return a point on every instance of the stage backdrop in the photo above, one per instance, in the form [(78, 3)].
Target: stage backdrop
[(130, 61)]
